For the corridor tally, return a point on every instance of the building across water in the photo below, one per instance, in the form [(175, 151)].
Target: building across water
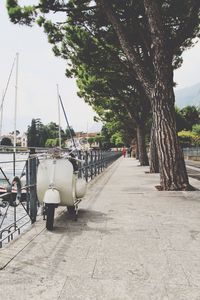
[(85, 141), (21, 140)]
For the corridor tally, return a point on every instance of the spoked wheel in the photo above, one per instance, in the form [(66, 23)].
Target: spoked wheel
[(50, 210)]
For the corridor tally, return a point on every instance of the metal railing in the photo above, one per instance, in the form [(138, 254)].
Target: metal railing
[(9, 232), (191, 151), (95, 161), (18, 199), (14, 214)]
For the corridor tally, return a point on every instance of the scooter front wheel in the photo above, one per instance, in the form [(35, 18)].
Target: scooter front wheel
[(50, 210)]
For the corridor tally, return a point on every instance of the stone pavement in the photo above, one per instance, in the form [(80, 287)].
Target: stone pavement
[(130, 242)]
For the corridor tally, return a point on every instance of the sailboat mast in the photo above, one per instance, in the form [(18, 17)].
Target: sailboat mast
[(71, 136), (16, 90), (59, 130), (1, 117), (4, 95)]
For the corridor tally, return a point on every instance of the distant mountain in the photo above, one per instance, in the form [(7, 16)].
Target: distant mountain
[(188, 96)]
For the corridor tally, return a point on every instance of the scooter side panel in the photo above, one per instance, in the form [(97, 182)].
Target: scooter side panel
[(58, 174)]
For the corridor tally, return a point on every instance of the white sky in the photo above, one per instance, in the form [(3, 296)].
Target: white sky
[(40, 71)]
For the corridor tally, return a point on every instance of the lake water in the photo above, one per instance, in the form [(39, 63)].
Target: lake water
[(7, 170), (7, 165)]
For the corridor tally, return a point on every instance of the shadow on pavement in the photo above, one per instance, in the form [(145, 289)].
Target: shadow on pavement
[(88, 220)]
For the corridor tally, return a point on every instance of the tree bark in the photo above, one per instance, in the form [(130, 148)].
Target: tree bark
[(173, 175), (143, 158), (153, 156), (137, 150)]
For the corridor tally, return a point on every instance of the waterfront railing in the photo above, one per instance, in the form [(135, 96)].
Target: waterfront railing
[(193, 151), (19, 206)]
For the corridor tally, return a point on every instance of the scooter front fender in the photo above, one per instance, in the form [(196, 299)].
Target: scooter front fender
[(52, 196)]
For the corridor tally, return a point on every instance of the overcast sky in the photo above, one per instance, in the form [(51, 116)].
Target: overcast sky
[(40, 71)]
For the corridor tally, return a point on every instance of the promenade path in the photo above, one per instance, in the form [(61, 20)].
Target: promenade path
[(130, 242)]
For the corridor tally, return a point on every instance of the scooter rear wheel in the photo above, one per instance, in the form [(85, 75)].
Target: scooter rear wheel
[(71, 209), (72, 212), (50, 216)]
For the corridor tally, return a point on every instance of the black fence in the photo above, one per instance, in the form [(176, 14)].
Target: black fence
[(191, 151), (95, 161), (18, 201)]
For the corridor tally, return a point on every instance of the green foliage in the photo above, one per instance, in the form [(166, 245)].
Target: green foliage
[(103, 79), (191, 115), (99, 140), (106, 138), (181, 122), (185, 138), (187, 117), (188, 138), (33, 134), (181, 22), (91, 140), (22, 15), (196, 140), (52, 129), (117, 139), (70, 132), (40, 135), (90, 46), (113, 134), (196, 129), (50, 143), (6, 141)]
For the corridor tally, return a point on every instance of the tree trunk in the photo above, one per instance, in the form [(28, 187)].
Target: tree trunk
[(173, 175), (153, 159), (136, 148), (143, 158)]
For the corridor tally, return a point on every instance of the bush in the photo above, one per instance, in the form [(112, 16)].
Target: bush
[(52, 143), (6, 141), (186, 138), (196, 129), (196, 140)]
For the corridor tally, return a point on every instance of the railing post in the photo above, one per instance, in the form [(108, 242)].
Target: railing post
[(98, 159), (27, 189), (101, 160), (32, 183), (104, 159), (80, 171), (95, 163), (14, 163), (86, 166), (15, 217), (91, 164)]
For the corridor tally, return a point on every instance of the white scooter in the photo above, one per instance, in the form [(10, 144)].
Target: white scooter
[(58, 185)]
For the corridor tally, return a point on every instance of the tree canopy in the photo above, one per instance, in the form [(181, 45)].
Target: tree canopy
[(6, 141), (146, 36), (187, 117), (40, 135)]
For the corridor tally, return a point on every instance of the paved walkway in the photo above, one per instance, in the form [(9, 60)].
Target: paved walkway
[(130, 242)]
